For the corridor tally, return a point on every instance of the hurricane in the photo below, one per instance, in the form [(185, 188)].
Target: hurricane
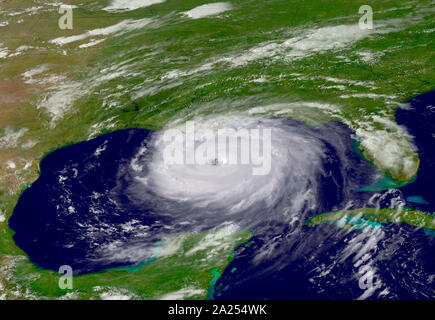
[(158, 149), (115, 200), (303, 162), (311, 170)]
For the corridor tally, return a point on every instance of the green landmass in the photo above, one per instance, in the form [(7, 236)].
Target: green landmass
[(144, 78), (185, 267), (374, 217)]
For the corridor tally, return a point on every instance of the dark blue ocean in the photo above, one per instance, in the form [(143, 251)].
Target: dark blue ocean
[(84, 196), (414, 251)]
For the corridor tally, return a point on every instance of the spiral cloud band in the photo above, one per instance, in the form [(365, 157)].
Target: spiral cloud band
[(108, 201), (226, 146)]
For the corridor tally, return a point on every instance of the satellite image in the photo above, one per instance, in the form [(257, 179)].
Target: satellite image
[(238, 150)]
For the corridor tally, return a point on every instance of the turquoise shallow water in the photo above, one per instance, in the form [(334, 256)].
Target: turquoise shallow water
[(159, 79), (417, 199)]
